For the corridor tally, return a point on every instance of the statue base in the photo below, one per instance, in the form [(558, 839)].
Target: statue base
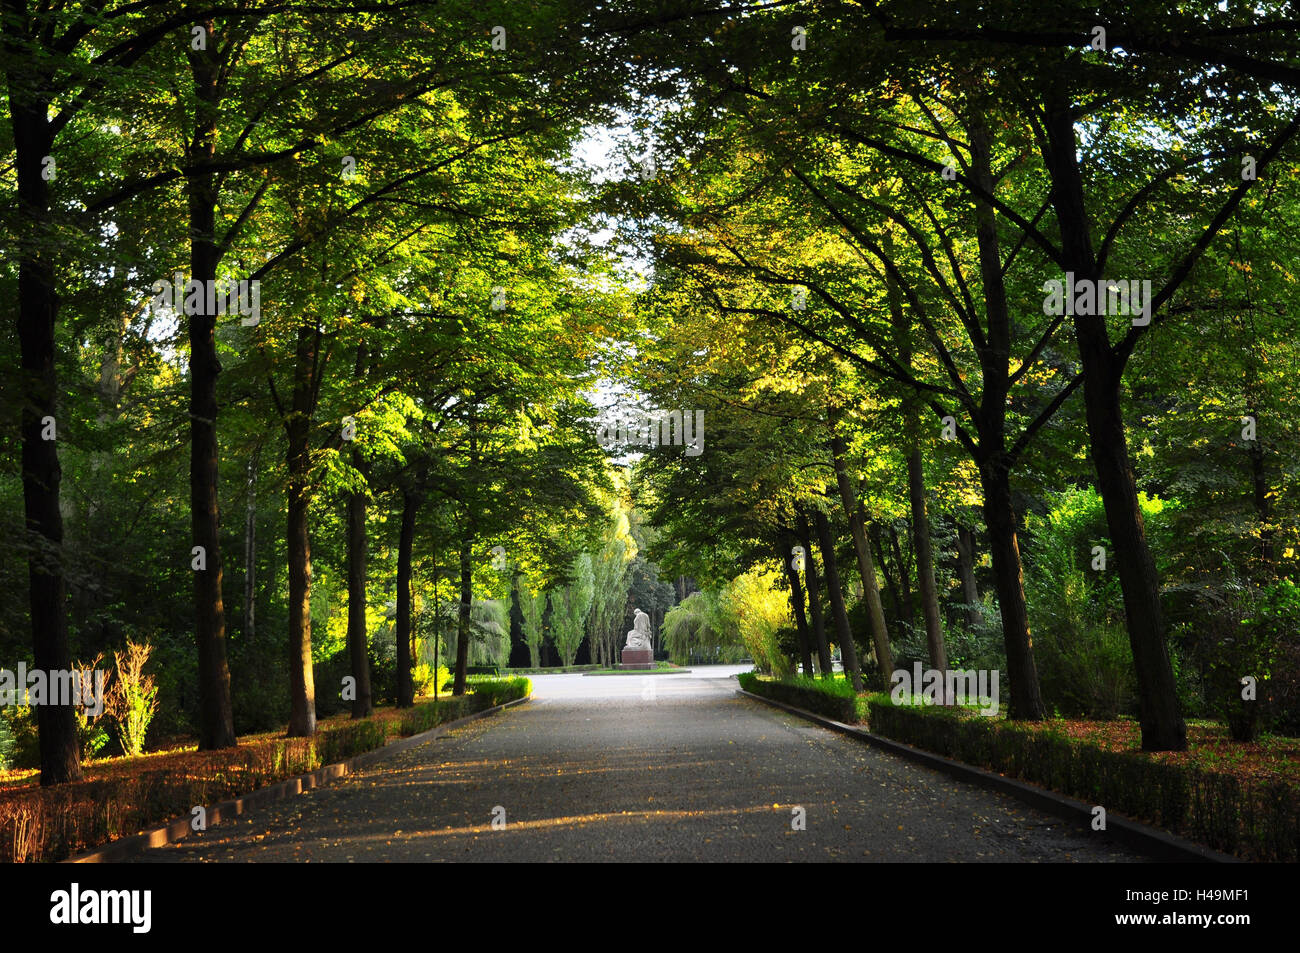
[(638, 658)]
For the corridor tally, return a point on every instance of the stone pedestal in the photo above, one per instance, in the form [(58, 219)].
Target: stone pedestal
[(638, 658)]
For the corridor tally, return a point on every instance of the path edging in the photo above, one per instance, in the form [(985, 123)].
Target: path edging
[(1135, 834), (179, 828)]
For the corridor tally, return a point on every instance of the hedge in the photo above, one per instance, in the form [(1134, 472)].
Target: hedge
[(1255, 821), (831, 698), (50, 824), (484, 693)]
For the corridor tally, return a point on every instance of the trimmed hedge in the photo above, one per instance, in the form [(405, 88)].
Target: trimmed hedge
[(484, 693), (489, 692), (1254, 821), (429, 715), (830, 698), (50, 824)]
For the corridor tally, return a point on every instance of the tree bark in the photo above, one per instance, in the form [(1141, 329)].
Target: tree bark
[(870, 587), (875, 536), (1263, 508), (358, 638), (248, 629), (1000, 518), (904, 576), (990, 456), (966, 572), (463, 634), (814, 599), (797, 605), (302, 686), (1163, 728), (848, 651), (925, 562), (38, 305), (216, 719), (921, 544), (405, 682)]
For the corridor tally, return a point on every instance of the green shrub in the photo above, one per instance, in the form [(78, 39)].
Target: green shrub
[(1081, 645), (425, 677), (50, 823), (489, 692), (828, 697), (349, 740), (430, 714), (132, 702), (1251, 650), (1260, 821), (24, 746)]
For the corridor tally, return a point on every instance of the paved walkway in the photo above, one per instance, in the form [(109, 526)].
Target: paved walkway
[(637, 768)]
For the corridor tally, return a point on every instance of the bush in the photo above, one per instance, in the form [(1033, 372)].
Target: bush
[(1257, 821), (1243, 630), (20, 744), (485, 693), (428, 715), (23, 748), (1081, 645), (1252, 651), (831, 698), (350, 739), (133, 699), (425, 677), (51, 823), (489, 692)]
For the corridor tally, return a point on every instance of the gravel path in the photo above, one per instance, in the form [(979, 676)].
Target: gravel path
[(643, 768)]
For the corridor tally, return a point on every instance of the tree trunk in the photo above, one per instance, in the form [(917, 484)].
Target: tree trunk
[(966, 572), (875, 536), (358, 638), (904, 578), (405, 682), (925, 563), (38, 305), (302, 687), (991, 457), (1163, 728), (1263, 509), (921, 544), (797, 604), (814, 599), (1026, 698), (870, 587), (848, 651), (216, 721), (463, 634), (248, 629)]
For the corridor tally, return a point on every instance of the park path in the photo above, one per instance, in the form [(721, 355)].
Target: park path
[(643, 768)]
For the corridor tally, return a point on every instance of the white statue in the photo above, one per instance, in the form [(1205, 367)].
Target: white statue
[(639, 637)]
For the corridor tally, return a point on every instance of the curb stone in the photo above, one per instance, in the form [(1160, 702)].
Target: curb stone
[(179, 828), (1152, 841)]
